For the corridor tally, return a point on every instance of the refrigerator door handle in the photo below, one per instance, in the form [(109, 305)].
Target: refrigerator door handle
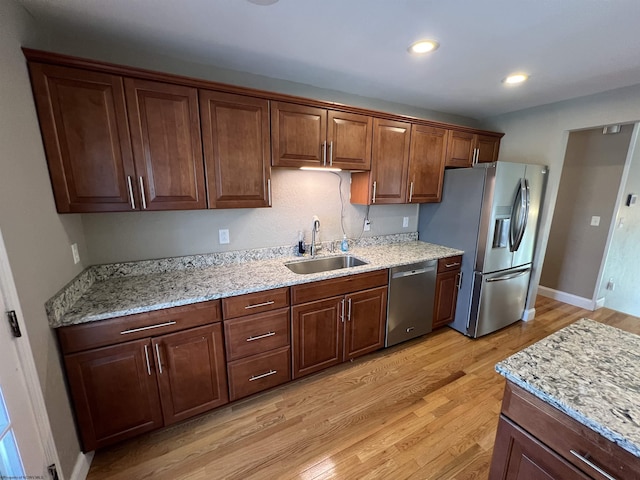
[(526, 202), (517, 274), (517, 210)]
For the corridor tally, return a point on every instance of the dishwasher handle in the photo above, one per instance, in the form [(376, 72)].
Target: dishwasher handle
[(409, 273)]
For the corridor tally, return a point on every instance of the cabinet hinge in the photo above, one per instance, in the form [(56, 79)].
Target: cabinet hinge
[(13, 323), (53, 472)]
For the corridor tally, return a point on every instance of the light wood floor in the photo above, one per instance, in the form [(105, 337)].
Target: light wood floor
[(425, 409)]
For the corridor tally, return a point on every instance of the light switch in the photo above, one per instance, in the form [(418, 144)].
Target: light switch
[(405, 222), (595, 221), (223, 236)]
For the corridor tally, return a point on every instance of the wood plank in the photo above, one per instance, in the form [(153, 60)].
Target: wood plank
[(424, 409)]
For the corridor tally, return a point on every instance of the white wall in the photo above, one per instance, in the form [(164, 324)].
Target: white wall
[(622, 260), (539, 135), (36, 237), (297, 196)]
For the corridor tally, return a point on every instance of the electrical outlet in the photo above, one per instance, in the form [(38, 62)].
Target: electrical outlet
[(611, 285), (595, 221), (74, 252), (405, 222), (223, 236), (367, 225)]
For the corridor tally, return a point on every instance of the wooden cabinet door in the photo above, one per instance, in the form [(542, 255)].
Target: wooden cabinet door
[(191, 371), (318, 333), (165, 132), (426, 163), (520, 456), (487, 148), (390, 162), (236, 141), (459, 149), (298, 135), (114, 392), (349, 137), (365, 324), (84, 127), (446, 297)]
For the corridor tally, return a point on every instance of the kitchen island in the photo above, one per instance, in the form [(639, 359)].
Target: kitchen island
[(571, 407)]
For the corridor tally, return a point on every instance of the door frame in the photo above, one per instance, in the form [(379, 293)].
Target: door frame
[(25, 355)]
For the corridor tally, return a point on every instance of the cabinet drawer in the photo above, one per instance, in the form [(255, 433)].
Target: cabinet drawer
[(76, 338), (566, 435), (241, 305), (259, 372), (308, 292), (258, 333), (449, 264)]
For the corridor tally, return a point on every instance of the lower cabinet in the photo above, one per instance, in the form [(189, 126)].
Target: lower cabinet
[(123, 389), (446, 296), (330, 331), (537, 441)]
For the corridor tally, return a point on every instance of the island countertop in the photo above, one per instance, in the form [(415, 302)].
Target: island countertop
[(591, 372), (122, 289)]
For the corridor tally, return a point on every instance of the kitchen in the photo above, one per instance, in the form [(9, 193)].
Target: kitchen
[(39, 249)]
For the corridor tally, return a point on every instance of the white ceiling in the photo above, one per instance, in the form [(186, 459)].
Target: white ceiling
[(570, 48)]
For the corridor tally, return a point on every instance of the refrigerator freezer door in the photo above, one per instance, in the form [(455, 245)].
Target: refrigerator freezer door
[(536, 177), (494, 255), (498, 300)]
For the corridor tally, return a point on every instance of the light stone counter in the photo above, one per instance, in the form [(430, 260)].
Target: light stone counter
[(591, 372), (110, 291)]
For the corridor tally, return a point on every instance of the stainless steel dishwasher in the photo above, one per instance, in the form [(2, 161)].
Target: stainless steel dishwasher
[(410, 304)]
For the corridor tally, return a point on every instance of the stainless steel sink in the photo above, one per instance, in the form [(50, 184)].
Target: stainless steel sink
[(324, 264)]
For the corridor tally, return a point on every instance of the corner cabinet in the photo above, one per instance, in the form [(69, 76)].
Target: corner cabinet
[(466, 149), (337, 320), (407, 166), (236, 141), (131, 375), (535, 440), (304, 136)]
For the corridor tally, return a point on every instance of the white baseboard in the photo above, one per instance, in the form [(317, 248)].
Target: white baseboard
[(569, 298), (599, 303), (81, 468), (529, 314)]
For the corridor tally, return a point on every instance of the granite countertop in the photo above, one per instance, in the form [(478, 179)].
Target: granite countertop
[(146, 286), (591, 372)]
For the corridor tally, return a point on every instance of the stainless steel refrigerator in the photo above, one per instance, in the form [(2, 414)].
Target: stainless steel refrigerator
[(491, 212)]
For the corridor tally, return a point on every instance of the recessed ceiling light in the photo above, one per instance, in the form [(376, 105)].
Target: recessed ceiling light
[(263, 2), (516, 78), (423, 46)]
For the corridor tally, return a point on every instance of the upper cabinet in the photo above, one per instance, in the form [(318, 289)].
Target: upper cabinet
[(84, 127), (466, 149), (124, 139), (235, 137), (303, 136), (165, 134), (407, 167)]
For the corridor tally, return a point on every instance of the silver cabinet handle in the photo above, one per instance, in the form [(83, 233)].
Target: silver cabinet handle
[(410, 329), (592, 465), (157, 325), (258, 337), (146, 356), (476, 154), (256, 305), (331, 153), (342, 315), (144, 200), (131, 199), (158, 357), (349, 314), (324, 153), (375, 184), (449, 265), (269, 190), (268, 374), (410, 192), (459, 285)]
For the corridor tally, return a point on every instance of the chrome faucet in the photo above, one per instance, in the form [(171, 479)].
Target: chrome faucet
[(314, 230)]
